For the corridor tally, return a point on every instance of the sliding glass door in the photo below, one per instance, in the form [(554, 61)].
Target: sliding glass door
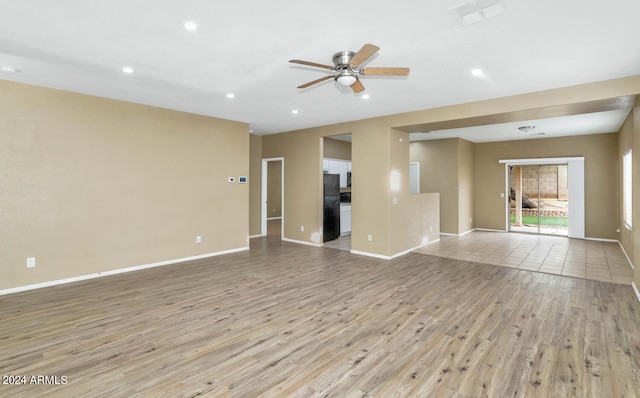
[(539, 199)]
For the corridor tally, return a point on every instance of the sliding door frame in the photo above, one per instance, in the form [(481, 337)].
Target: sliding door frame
[(575, 175)]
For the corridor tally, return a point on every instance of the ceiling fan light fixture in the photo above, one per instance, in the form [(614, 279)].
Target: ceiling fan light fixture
[(346, 80)]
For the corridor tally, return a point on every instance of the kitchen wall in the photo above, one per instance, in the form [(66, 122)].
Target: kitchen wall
[(92, 185)]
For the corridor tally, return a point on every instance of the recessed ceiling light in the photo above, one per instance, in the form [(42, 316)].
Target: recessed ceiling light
[(365, 96), (190, 26), (231, 95), (476, 72), (295, 111), (127, 70), (8, 69)]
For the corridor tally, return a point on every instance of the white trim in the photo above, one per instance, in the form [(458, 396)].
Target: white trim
[(491, 230), (263, 196), (117, 271), (301, 242), (274, 218), (576, 181), (521, 162), (402, 253), (458, 235), (255, 236), (418, 182), (635, 289), (625, 254), (601, 240), (374, 255)]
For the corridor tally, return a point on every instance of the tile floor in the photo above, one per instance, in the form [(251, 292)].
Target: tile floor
[(342, 243), (596, 260)]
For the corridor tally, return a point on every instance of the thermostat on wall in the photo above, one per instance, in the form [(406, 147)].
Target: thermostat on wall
[(232, 179), (242, 179)]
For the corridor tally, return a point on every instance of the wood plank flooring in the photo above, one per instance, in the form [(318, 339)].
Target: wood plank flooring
[(286, 320)]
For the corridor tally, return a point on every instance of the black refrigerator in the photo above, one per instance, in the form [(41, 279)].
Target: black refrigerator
[(331, 220)]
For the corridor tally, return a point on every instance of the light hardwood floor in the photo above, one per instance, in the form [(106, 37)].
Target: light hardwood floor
[(287, 320)]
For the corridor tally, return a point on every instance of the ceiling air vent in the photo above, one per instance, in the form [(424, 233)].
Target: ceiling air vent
[(478, 10)]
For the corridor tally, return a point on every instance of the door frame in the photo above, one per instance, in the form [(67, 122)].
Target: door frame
[(264, 213), (575, 175)]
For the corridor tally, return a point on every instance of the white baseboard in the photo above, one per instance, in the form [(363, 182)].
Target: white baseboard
[(116, 271), (462, 234), (301, 242), (602, 240), (625, 254), (274, 218), (374, 255), (635, 289), (255, 236), (491, 230)]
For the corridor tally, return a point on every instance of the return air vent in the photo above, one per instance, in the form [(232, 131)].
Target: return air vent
[(478, 10)]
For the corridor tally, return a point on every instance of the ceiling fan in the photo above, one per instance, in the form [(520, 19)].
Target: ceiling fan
[(347, 68)]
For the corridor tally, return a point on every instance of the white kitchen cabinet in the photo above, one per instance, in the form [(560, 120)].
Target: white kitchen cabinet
[(345, 219), (340, 167)]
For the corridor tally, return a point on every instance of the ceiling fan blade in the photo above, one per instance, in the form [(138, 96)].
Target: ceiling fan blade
[(357, 86), (385, 71), (297, 61), (316, 81), (364, 54)]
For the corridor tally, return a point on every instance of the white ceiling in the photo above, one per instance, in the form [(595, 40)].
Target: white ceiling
[(243, 47)]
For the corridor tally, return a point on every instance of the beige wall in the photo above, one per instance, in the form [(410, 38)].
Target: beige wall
[(439, 174), (255, 184), (91, 185), (372, 161), (601, 176), (466, 185), (337, 149), (447, 166)]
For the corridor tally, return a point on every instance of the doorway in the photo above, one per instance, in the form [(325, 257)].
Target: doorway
[(539, 199), (531, 206), (272, 212), (336, 192)]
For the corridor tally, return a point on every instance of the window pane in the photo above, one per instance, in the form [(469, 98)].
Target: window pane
[(627, 183)]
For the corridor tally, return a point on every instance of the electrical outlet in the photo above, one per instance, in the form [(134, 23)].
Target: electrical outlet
[(430, 229), (31, 262), (302, 228), (198, 239), (370, 238)]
